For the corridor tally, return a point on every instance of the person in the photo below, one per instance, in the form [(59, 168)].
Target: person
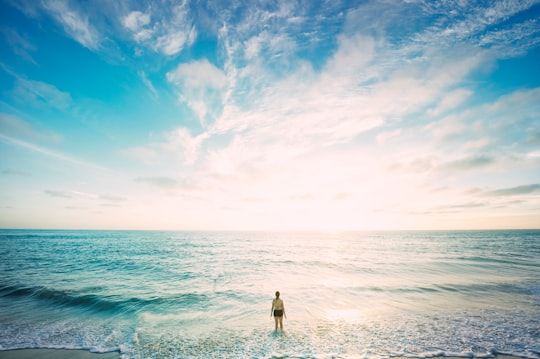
[(278, 311)]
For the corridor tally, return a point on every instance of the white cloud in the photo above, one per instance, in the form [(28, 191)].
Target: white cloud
[(144, 154), (172, 43), (380, 123), (451, 101), (183, 142), (74, 22), (198, 74), (165, 29), (201, 86), (386, 136), (178, 145), (354, 53), (136, 20)]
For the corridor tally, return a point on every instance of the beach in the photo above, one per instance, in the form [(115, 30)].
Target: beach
[(55, 354)]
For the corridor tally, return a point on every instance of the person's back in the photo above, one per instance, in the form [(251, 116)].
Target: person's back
[(278, 311), (278, 304)]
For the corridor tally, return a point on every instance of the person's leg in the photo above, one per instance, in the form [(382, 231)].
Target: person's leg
[(276, 320), (281, 323)]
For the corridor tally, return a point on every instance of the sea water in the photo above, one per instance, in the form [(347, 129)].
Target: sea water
[(208, 295)]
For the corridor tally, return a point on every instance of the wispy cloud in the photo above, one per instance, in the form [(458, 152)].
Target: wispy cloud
[(52, 154), (15, 127), (58, 194), (148, 84), (468, 163), (450, 101), (15, 173), (179, 145), (370, 83), (167, 29), (20, 44), (515, 191), (310, 108), (41, 94), (112, 198), (164, 182), (80, 195), (75, 23), (200, 86), (481, 24)]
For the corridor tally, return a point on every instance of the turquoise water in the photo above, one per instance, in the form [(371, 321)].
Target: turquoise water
[(208, 295)]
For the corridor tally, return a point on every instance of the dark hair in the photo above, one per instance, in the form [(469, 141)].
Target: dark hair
[(277, 294)]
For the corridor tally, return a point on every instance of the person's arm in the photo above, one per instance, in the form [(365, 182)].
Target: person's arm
[(272, 310), (283, 305)]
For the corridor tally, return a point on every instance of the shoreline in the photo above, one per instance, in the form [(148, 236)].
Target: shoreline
[(86, 354), (56, 354)]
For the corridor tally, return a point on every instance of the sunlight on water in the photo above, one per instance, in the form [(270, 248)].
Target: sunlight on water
[(348, 314)]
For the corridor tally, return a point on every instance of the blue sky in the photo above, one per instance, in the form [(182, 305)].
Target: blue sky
[(270, 115)]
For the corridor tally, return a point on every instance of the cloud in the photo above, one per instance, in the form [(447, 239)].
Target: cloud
[(58, 194), (353, 55), (148, 84), (200, 84), (273, 119), (41, 94), (163, 182), (14, 173), (52, 154), (483, 26), (178, 144), (142, 154), (468, 163), (515, 191), (136, 20), (20, 44), (450, 101), (302, 197), (388, 135), (78, 195), (15, 127), (197, 75), (181, 141), (170, 32), (172, 43), (74, 22), (499, 129), (112, 198)]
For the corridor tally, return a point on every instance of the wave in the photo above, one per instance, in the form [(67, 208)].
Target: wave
[(98, 303)]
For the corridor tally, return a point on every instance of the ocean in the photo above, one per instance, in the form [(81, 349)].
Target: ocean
[(152, 294)]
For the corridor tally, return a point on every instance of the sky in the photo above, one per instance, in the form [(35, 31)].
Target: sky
[(270, 115)]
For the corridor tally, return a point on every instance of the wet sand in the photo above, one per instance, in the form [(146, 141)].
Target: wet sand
[(55, 354)]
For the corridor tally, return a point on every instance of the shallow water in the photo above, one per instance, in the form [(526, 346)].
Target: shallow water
[(206, 295)]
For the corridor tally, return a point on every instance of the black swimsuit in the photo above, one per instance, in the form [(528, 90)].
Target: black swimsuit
[(278, 312)]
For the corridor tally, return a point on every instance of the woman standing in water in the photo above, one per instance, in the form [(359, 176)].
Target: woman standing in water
[(278, 311)]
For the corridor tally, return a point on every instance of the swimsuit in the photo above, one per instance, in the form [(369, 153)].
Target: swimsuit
[(278, 312)]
